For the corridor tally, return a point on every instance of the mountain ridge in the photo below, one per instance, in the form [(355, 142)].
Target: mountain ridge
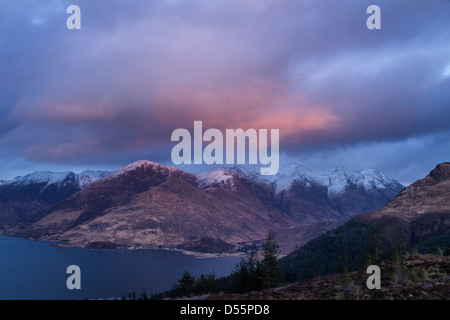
[(51, 177), (419, 214), (335, 180), (146, 204), (24, 196)]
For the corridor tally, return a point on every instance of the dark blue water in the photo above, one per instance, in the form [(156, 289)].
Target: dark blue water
[(37, 270)]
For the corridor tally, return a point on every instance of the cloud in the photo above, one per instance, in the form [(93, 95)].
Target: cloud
[(136, 71)]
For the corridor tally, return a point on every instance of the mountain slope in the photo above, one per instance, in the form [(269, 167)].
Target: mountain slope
[(421, 212), (146, 204), (338, 194), (418, 285), (150, 205), (24, 196)]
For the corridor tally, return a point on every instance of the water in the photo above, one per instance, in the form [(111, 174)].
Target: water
[(37, 270)]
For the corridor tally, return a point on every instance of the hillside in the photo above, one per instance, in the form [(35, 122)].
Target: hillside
[(418, 217), (24, 196), (146, 204), (426, 278)]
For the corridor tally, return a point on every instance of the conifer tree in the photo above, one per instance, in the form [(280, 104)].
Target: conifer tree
[(269, 267), (397, 263), (368, 261), (186, 284), (377, 245), (345, 276), (241, 276), (206, 283), (253, 265), (314, 273)]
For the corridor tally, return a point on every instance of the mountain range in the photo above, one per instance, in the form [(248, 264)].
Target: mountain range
[(146, 204), (24, 196), (418, 218)]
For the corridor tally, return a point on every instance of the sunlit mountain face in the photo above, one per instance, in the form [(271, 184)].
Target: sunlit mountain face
[(149, 205)]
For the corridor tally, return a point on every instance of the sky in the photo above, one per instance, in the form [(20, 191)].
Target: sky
[(112, 92)]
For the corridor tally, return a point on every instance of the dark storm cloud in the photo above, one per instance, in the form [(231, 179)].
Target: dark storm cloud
[(140, 69)]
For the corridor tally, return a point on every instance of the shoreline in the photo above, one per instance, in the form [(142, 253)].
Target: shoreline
[(195, 254)]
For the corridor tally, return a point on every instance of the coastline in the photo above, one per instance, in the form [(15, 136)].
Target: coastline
[(63, 244)]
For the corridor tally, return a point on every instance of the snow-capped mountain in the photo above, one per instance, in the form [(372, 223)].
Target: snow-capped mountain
[(216, 178), (24, 196), (311, 197), (48, 177), (87, 177), (337, 194), (336, 181), (142, 165), (149, 204), (224, 177), (82, 179), (418, 217), (290, 173)]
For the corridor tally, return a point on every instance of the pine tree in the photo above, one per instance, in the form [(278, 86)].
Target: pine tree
[(200, 285), (186, 284), (212, 285), (397, 263), (314, 273), (246, 276), (269, 267), (143, 296), (366, 263), (394, 264), (241, 276), (377, 245), (252, 261), (206, 283), (253, 271), (345, 276)]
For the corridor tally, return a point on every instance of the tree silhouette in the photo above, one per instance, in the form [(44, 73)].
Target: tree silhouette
[(269, 267), (186, 284), (376, 245)]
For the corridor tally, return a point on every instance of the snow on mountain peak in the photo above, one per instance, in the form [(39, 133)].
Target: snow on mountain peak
[(376, 179), (49, 177), (340, 178), (141, 164), (335, 180), (374, 175), (224, 176), (219, 176), (289, 174), (87, 177)]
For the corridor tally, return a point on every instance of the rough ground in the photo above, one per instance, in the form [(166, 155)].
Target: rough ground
[(427, 278)]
